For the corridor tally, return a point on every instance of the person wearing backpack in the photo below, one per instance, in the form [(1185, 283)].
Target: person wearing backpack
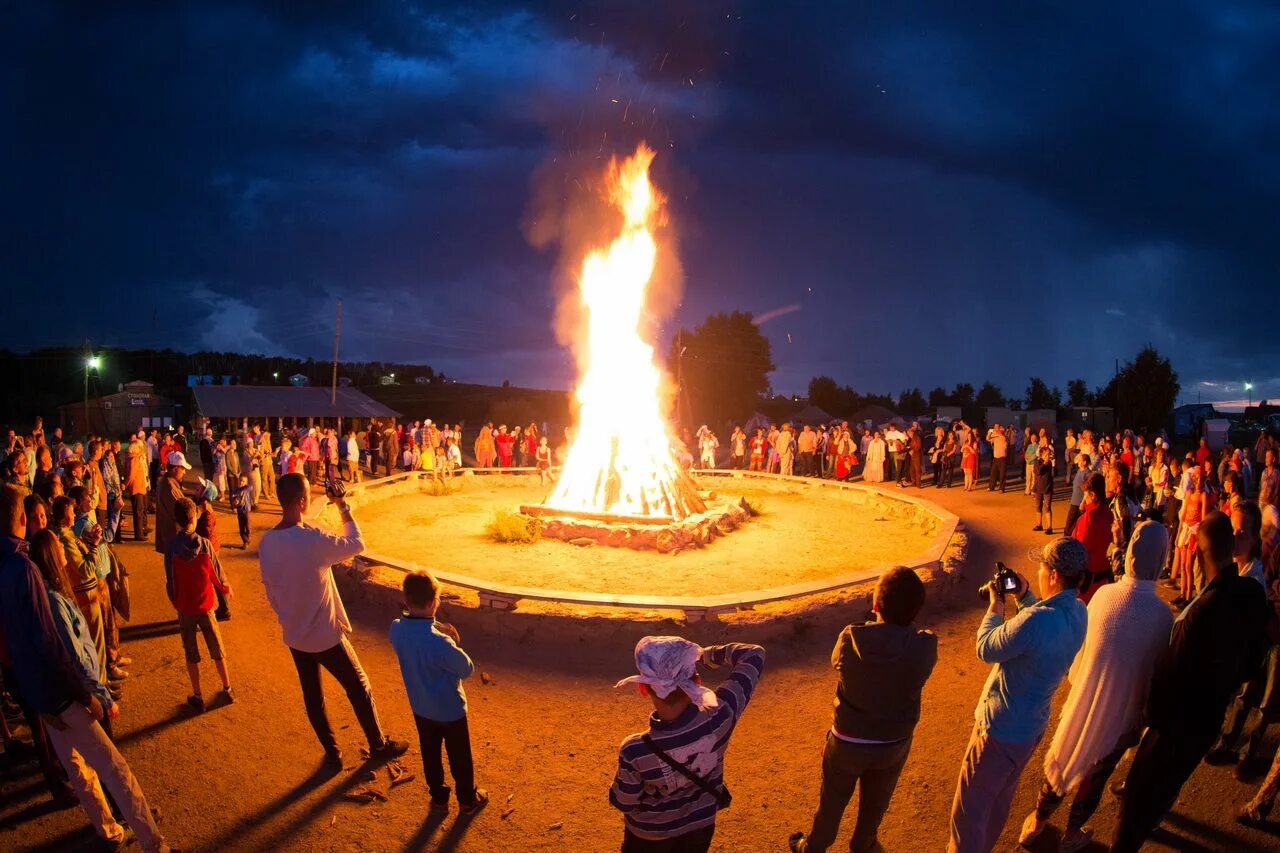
[(670, 780)]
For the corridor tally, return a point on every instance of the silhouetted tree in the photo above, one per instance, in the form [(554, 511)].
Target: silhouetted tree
[(1039, 396), (725, 364), (1078, 393), (939, 397), (989, 395), (830, 397), (1144, 391), (912, 402)]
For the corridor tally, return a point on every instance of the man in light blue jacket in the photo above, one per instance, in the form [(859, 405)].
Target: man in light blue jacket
[(1032, 653)]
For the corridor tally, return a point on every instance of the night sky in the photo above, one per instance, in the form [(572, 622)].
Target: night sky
[(959, 192)]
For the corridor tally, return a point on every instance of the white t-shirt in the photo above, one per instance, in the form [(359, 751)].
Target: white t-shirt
[(297, 572)]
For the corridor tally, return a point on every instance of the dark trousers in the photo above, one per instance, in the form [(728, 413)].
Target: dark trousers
[(342, 663), (1255, 708), (999, 470), (312, 468), (139, 505), (456, 740), (242, 519), (698, 841), (1163, 764), (917, 469), (54, 775), (1091, 789), (806, 465), (875, 769), (1073, 515)]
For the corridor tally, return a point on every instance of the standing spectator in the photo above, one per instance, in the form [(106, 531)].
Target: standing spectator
[(242, 501), (883, 666), (1257, 705), (206, 453), (505, 443), (297, 571), (1031, 653), (353, 457), (807, 447), (1269, 481), (758, 446), (310, 447), (111, 484), (707, 446), (999, 457), (1128, 628), (1093, 531), (969, 461), (896, 441), (86, 564), (48, 679), (873, 471), (168, 493), (1217, 643), (915, 456), (1030, 456), (670, 779), (1042, 490), (542, 459), (266, 466), (138, 486), (433, 667), (330, 454), (1078, 481), (485, 448), (785, 444), (191, 574), (738, 449)]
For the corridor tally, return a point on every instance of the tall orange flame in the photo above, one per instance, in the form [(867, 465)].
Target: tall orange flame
[(620, 462)]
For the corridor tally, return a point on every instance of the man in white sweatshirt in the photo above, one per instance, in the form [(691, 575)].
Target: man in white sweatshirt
[(297, 571), (1128, 628)]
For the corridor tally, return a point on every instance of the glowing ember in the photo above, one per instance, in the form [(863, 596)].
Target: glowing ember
[(620, 462)]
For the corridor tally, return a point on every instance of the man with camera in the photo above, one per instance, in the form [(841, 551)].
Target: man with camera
[(1031, 654), (297, 560)]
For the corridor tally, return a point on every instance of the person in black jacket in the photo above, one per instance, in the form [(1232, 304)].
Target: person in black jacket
[(1217, 643), (883, 665)]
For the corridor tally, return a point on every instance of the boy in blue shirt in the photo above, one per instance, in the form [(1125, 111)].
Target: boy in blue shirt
[(433, 668), (242, 500)]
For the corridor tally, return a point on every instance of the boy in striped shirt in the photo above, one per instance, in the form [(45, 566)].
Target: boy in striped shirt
[(670, 780)]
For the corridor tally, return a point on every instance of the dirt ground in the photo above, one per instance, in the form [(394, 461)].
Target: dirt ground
[(801, 535), (545, 731)]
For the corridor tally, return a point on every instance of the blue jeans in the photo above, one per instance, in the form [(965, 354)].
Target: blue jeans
[(112, 527)]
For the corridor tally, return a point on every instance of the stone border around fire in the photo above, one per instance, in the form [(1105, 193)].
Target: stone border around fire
[(933, 561)]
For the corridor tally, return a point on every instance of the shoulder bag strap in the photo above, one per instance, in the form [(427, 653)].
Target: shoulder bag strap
[(721, 794)]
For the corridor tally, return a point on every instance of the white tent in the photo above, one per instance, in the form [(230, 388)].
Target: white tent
[(755, 422)]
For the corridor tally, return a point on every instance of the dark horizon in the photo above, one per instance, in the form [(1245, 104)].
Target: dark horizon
[(918, 200)]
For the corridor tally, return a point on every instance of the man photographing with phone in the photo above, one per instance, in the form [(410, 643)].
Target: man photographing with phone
[(297, 571), (1031, 653)]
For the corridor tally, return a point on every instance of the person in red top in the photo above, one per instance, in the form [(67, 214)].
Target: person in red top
[(1203, 452), (1093, 531), (191, 575), (758, 447), (506, 444)]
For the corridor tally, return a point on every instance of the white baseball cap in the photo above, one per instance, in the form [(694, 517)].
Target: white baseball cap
[(176, 459)]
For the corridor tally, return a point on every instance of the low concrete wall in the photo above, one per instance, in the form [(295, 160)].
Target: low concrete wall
[(938, 565)]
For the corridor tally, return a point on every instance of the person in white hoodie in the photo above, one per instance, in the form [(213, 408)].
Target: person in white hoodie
[(1129, 626)]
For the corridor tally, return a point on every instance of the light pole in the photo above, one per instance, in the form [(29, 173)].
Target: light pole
[(91, 362), (1248, 386)]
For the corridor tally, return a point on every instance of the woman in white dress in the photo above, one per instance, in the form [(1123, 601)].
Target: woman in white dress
[(874, 472)]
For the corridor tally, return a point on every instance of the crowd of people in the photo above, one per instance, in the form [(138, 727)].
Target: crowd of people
[(1175, 691)]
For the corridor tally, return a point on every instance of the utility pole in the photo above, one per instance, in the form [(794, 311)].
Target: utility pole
[(337, 333)]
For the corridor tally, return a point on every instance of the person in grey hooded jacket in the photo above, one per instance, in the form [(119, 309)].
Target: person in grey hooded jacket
[(883, 665)]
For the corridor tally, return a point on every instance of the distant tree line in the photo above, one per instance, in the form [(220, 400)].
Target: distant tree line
[(37, 382), (1143, 393)]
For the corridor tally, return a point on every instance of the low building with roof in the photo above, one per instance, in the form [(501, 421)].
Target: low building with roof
[(277, 407), (135, 405)]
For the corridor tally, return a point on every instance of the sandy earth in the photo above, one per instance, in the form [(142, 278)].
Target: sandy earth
[(545, 730), (802, 535)]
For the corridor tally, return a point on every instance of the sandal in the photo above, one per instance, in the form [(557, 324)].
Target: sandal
[(1032, 828)]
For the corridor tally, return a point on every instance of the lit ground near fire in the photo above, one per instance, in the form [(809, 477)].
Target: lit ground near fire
[(803, 534)]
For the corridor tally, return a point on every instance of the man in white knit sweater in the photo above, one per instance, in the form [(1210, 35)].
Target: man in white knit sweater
[(1129, 626)]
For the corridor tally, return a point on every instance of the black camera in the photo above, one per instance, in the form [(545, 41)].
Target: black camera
[(335, 489), (1005, 580)]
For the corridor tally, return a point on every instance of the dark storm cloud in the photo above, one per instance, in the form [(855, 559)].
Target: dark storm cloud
[(950, 192)]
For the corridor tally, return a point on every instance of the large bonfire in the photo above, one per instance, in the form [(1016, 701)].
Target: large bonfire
[(620, 462)]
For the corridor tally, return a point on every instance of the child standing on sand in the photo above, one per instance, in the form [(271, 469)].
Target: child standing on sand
[(433, 667)]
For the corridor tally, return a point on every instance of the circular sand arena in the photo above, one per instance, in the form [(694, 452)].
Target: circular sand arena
[(809, 536)]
